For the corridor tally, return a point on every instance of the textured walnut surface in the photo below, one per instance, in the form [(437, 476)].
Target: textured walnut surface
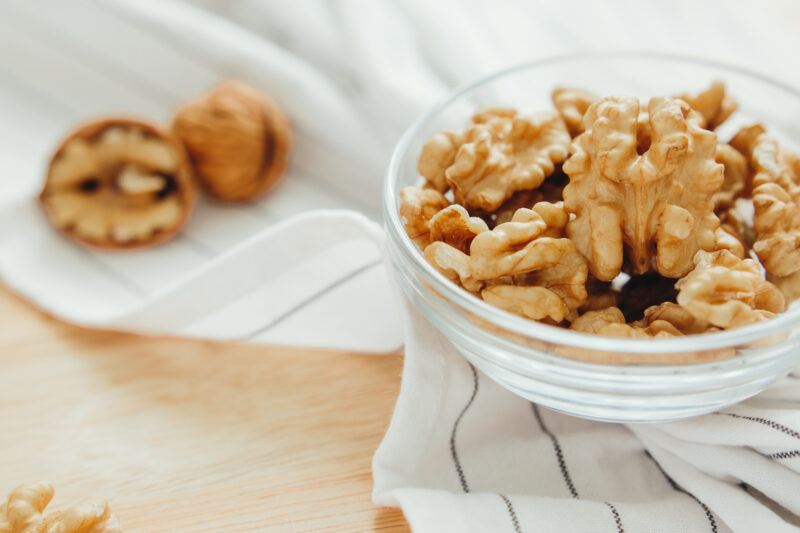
[(24, 511), (650, 228), (238, 139), (118, 184), (653, 209)]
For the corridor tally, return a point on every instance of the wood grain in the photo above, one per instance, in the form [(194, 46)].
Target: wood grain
[(182, 435)]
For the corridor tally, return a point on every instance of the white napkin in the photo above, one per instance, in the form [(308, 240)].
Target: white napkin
[(463, 454), (305, 279)]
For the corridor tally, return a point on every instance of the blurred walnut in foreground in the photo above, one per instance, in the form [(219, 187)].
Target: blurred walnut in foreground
[(238, 140), (23, 512)]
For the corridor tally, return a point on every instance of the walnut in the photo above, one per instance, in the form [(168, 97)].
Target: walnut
[(506, 154), (516, 248), (736, 176), (738, 221), (572, 104), (118, 183), (727, 291), (776, 201), (238, 139), (656, 207), (454, 226), (23, 512), (438, 153), (713, 104), (611, 322), (727, 238), (417, 207), (532, 302), (678, 317)]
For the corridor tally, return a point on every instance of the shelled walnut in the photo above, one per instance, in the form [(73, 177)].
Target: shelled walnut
[(776, 202), (417, 207), (24, 512), (727, 292), (516, 248), (238, 139), (118, 183), (652, 209), (499, 154)]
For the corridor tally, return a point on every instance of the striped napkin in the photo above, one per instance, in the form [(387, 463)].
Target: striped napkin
[(465, 455)]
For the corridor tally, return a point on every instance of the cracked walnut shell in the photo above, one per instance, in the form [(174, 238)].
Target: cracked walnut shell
[(238, 140), (652, 209), (24, 512), (728, 292), (118, 184)]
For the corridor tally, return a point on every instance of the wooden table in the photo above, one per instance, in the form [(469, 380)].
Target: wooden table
[(182, 435)]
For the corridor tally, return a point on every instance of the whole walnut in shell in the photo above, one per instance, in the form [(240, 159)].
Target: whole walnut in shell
[(118, 184), (238, 140)]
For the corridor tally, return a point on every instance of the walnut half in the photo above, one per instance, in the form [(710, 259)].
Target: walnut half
[(118, 183), (652, 209), (24, 512)]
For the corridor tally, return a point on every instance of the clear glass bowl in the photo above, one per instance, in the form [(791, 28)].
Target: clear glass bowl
[(652, 379)]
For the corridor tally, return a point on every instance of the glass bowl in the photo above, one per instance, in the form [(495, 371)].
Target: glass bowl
[(651, 379)]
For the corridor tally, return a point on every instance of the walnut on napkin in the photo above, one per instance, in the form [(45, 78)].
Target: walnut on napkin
[(118, 183), (24, 512), (238, 139)]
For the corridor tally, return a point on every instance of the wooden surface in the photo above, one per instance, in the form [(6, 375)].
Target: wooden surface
[(193, 436)]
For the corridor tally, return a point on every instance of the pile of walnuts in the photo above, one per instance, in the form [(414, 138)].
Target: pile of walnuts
[(612, 217)]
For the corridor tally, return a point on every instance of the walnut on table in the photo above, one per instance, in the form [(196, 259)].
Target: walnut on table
[(518, 250), (238, 139), (776, 202), (119, 184), (652, 209), (24, 512), (499, 154), (728, 292)]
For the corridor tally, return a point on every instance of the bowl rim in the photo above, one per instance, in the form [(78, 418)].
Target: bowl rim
[(531, 328)]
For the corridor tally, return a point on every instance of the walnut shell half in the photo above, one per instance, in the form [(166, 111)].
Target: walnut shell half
[(238, 140), (118, 183)]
